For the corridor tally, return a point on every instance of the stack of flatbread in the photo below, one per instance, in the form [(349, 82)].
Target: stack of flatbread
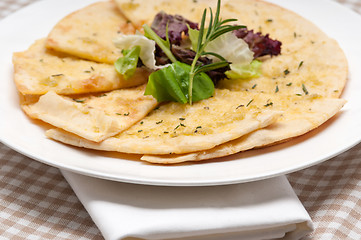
[(68, 80)]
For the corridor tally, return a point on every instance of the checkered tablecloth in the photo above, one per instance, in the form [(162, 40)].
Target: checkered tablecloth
[(37, 203)]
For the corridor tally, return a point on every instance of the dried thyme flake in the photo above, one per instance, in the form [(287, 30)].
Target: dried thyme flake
[(249, 103), (197, 129), (182, 119), (300, 65), (286, 72), (277, 89), (288, 84), (254, 86), (78, 100), (179, 125), (304, 89), (123, 114), (57, 75), (269, 104), (159, 122)]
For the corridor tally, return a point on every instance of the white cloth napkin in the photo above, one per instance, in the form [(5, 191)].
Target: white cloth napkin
[(267, 209)]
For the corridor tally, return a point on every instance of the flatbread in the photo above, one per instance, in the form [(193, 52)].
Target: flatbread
[(89, 32), (182, 128), (302, 115), (94, 117), (297, 92), (38, 70)]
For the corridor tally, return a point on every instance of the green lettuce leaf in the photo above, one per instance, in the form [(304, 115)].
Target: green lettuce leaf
[(193, 36), (127, 64), (171, 84), (244, 71)]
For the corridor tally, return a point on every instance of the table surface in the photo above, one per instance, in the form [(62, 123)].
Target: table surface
[(37, 202)]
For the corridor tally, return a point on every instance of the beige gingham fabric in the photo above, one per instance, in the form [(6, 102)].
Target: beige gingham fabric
[(37, 203), (331, 193)]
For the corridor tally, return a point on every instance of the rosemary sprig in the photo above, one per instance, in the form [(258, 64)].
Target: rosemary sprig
[(216, 28)]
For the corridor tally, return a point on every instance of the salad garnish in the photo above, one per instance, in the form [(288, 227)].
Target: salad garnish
[(216, 28), (187, 60)]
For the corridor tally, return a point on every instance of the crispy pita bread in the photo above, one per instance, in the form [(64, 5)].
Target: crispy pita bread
[(181, 128), (301, 116), (303, 83), (38, 70), (94, 117), (89, 32)]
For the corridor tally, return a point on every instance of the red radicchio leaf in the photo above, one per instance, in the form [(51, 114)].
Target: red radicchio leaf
[(260, 44), (176, 26)]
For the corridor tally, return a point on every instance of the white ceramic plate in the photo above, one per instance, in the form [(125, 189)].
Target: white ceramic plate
[(19, 30)]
